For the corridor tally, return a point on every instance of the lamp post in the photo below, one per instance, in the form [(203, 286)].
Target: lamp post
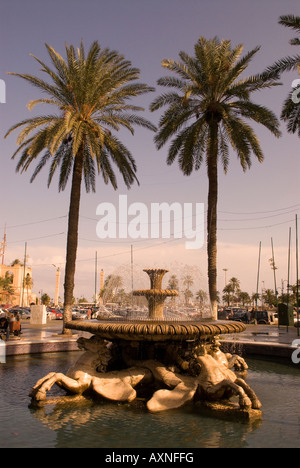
[(57, 285), (225, 269)]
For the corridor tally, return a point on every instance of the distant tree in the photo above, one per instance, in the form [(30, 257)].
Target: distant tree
[(187, 296), (201, 296), (269, 297), (16, 262), (235, 284), (82, 300), (173, 282), (188, 281), (45, 299), (255, 298), (6, 285), (227, 294), (244, 298)]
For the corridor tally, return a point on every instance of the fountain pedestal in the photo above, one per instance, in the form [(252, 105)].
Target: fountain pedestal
[(156, 296)]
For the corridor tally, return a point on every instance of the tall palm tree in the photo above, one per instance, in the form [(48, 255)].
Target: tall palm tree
[(206, 114), (291, 107), (91, 94)]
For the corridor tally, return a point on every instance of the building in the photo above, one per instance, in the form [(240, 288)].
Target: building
[(19, 293)]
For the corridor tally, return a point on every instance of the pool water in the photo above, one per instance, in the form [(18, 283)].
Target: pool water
[(108, 425)]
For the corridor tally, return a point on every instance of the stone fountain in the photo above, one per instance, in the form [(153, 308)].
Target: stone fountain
[(167, 363), (156, 296)]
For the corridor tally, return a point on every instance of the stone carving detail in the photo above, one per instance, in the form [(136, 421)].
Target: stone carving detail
[(185, 372)]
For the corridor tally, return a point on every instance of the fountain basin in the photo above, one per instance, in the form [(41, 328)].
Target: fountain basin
[(160, 330)]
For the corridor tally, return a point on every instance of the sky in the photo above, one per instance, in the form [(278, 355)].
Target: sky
[(254, 207)]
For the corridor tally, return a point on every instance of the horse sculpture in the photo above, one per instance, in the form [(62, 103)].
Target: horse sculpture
[(204, 374)]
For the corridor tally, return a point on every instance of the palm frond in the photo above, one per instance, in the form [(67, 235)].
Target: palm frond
[(291, 21), (209, 92), (92, 92)]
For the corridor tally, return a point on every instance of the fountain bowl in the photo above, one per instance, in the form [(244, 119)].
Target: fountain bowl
[(156, 330)]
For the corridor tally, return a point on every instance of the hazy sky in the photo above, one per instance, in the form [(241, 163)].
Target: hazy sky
[(253, 207)]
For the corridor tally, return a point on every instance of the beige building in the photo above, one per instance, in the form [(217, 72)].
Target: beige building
[(21, 293)]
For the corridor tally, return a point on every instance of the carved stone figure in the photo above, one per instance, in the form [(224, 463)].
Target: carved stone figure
[(88, 373), (216, 382), (199, 376)]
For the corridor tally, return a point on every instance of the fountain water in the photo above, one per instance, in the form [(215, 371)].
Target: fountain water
[(168, 363), (156, 296)]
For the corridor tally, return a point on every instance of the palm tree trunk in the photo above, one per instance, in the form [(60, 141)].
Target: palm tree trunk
[(212, 168), (72, 239)]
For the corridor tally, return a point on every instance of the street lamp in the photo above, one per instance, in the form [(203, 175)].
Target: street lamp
[(56, 285), (225, 269)]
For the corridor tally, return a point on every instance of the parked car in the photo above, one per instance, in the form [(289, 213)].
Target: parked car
[(51, 315), (225, 314), (265, 317), (25, 315), (24, 312), (241, 315), (58, 314)]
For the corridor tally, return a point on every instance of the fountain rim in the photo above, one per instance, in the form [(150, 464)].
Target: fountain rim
[(156, 330), (156, 292)]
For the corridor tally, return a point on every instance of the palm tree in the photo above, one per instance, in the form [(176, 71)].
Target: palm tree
[(173, 282), (16, 262), (206, 114), (235, 285), (6, 285), (291, 109), (91, 94), (201, 295), (228, 291), (244, 298), (188, 281)]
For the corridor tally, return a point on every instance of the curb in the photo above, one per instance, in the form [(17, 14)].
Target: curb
[(39, 347), (246, 348)]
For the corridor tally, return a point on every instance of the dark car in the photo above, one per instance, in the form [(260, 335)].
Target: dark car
[(264, 317), (241, 315), (225, 314)]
